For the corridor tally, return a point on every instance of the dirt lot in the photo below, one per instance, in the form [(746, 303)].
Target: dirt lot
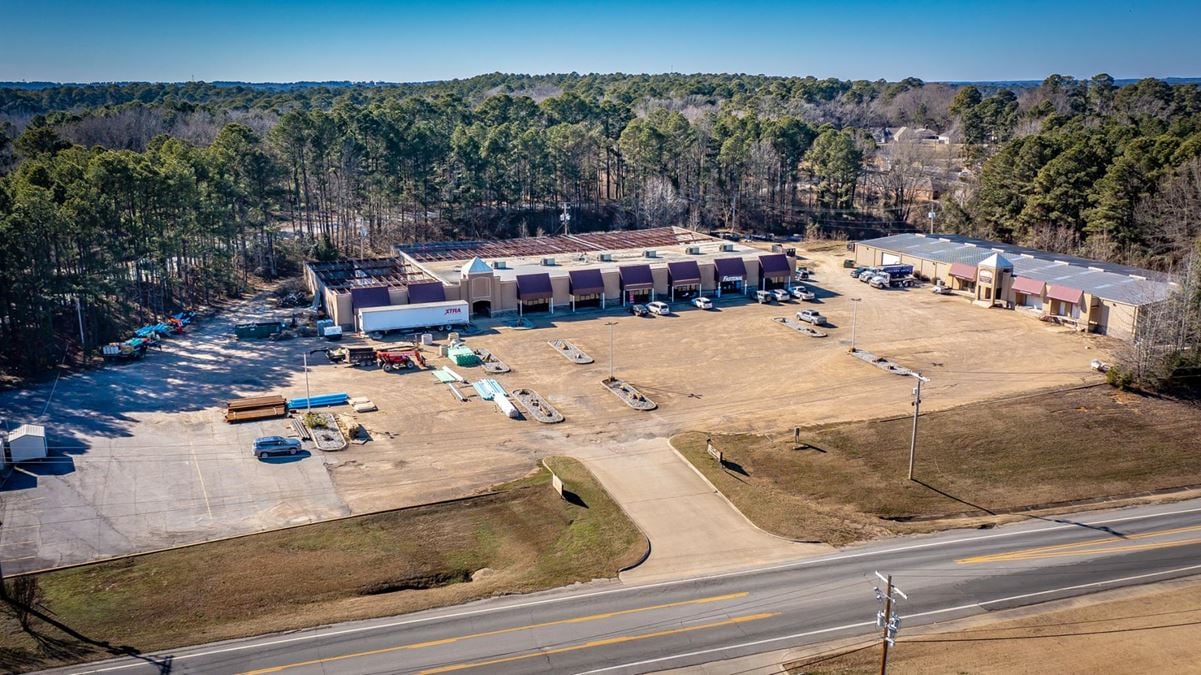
[(977, 461), (145, 461), (523, 539), (1149, 629)]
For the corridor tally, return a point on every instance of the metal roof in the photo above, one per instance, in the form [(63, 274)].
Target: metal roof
[(1109, 281)]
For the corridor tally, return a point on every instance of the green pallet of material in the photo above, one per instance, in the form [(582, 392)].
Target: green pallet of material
[(463, 356)]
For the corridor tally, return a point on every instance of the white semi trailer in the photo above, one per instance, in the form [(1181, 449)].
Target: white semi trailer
[(407, 317)]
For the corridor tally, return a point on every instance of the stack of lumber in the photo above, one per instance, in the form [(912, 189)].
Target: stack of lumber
[(256, 408)]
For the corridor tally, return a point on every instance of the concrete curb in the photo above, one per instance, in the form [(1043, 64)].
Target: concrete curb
[(646, 554), (736, 509)]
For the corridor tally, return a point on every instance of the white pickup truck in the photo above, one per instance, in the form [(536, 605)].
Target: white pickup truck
[(811, 316)]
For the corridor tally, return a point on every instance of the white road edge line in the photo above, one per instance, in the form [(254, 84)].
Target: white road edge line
[(625, 589), (872, 623)]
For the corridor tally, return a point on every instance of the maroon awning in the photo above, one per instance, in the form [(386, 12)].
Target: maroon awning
[(432, 291), (586, 282), (534, 287), (370, 296), (730, 269), (1065, 294), (636, 278), (683, 273), (963, 271), (775, 265), (1028, 286)]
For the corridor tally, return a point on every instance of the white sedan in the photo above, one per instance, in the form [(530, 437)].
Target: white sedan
[(703, 302), (659, 308)]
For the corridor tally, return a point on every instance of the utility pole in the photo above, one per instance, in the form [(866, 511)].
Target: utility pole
[(565, 218), (888, 621), (854, 320), (83, 345), (611, 324), (931, 215), (917, 406)]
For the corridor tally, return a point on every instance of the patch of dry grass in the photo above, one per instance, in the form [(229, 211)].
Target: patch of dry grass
[(991, 457), (525, 536)]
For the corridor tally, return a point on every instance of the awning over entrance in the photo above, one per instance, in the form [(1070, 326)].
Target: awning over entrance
[(1028, 286), (730, 269), (1065, 294), (587, 282), (963, 271), (684, 273), (775, 266), (371, 296), (636, 278), (534, 287), (428, 292)]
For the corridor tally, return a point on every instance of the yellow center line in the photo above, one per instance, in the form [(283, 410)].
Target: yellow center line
[(599, 643), (1088, 547), (502, 631)]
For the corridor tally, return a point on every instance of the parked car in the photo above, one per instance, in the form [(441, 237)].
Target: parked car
[(811, 316), (660, 308), (703, 302), (857, 271), (802, 293), (639, 310), (781, 294), (266, 446), (940, 288), (802, 274), (867, 274), (764, 297)]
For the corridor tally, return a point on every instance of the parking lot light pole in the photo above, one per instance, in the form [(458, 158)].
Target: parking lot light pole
[(854, 320), (611, 324)]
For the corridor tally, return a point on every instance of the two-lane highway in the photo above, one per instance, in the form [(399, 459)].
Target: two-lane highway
[(610, 628)]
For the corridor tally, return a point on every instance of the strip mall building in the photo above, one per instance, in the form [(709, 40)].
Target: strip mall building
[(551, 274), (1090, 295)]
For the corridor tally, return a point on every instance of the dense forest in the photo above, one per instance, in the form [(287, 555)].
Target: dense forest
[(135, 199)]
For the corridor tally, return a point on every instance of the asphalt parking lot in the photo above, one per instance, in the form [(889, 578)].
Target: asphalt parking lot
[(143, 458)]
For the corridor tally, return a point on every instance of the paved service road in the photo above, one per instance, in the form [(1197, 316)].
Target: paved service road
[(613, 628)]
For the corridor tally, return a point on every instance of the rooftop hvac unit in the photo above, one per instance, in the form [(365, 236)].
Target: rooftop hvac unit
[(727, 248), (648, 253), (776, 248), (693, 250), (606, 257), (500, 265), (548, 262), (790, 252)]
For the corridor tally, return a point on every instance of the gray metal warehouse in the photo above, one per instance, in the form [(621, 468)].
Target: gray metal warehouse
[(1089, 295)]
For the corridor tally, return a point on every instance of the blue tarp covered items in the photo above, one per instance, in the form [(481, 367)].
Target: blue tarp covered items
[(432, 291), (369, 296), (534, 287), (318, 401), (487, 389), (775, 266)]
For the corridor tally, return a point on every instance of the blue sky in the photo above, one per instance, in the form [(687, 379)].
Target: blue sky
[(258, 40)]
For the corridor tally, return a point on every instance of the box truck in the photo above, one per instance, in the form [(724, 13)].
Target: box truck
[(408, 317)]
